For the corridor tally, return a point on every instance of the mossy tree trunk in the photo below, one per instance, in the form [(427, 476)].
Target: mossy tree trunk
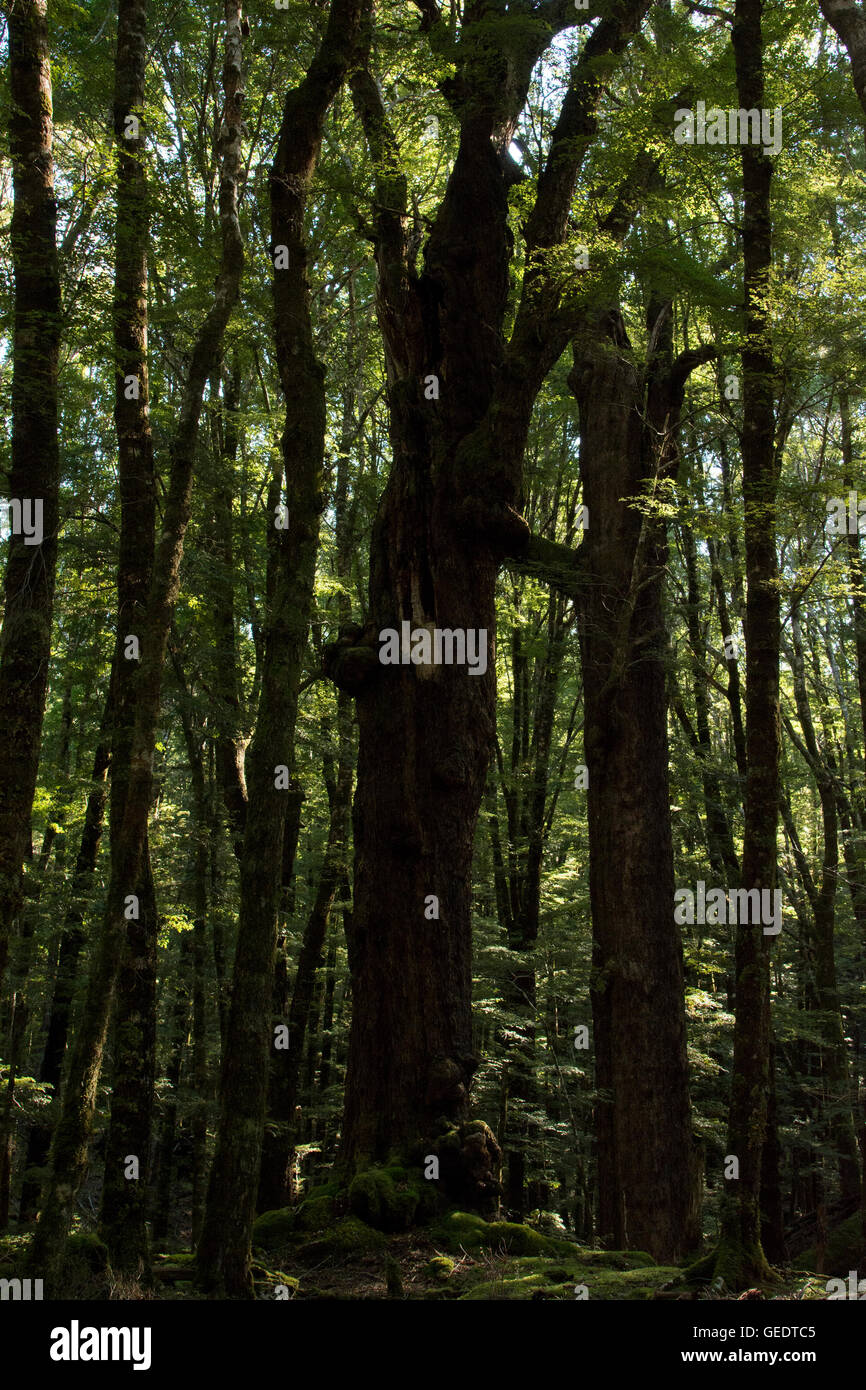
[(178, 1033), (830, 1025), (228, 706), (740, 1257), (72, 940), (525, 785), (204, 833), (281, 1135), (224, 1248), (25, 638), (69, 1148), (460, 401), (123, 1210), (628, 420)]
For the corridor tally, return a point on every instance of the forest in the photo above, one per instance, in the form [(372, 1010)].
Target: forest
[(433, 650)]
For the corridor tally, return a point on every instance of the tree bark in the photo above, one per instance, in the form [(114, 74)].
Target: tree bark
[(69, 1147), (72, 941), (740, 1257), (123, 1210), (226, 677), (837, 1098), (25, 638), (849, 22), (280, 1137), (224, 1255), (646, 1190), (447, 520)]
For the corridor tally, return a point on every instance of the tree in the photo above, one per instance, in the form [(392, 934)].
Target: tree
[(70, 1142), (224, 1254), (740, 1256), (25, 638)]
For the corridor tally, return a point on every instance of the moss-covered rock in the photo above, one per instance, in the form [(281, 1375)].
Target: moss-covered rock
[(616, 1259), (439, 1269), (347, 1237), (274, 1229), (462, 1230), (383, 1198), (392, 1198), (317, 1213)]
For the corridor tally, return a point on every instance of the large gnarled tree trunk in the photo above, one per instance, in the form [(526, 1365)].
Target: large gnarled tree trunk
[(460, 401)]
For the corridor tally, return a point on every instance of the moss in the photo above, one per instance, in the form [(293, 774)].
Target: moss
[(391, 1199), (315, 1214), (464, 1230), (534, 1278), (85, 1248), (439, 1269), (13, 1254), (460, 1228), (505, 1288), (335, 1188), (617, 1259), (273, 1228), (267, 1280), (524, 1240), (739, 1265), (348, 1237), (393, 1278)]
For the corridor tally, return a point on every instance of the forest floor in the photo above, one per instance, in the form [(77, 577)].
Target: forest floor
[(435, 1264), (324, 1249)]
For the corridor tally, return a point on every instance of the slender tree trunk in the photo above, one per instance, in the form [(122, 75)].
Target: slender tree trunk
[(178, 1034), (205, 829), (281, 1135), (200, 1076), (740, 1257), (224, 1248), (124, 1209), (772, 1220), (69, 1147), (19, 1017), (530, 770), (326, 1058), (72, 941), (123, 1212), (227, 687), (720, 843), (25, 638), (837, 1097)]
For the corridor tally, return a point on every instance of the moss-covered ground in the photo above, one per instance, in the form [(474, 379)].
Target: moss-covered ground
[(382, 1237)]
